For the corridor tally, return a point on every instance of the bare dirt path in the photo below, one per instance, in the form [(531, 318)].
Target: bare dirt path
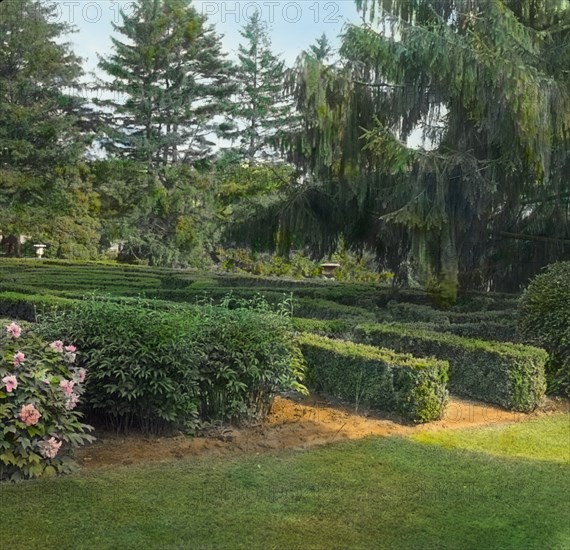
[(296, 423)]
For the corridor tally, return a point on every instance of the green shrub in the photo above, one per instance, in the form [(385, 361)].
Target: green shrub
[(247, 357), (143, 373), (161, 369), (492, 330), (499, 332), (401, 311), (511, 375), (495, 331), (416, 313), (380, 378), (545, 321)]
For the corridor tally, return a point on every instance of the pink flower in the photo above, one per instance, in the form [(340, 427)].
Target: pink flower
[(14, 330), (72, 401), (18, 358), (50, 448), (71, 348), (11, 383), (81, 375), (67, 386), (57, 345), (29, 415)]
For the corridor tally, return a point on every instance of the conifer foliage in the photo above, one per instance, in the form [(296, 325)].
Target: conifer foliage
[(262, 111)]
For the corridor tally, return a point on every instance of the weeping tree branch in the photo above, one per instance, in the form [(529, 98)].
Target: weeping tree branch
[(540, 238)]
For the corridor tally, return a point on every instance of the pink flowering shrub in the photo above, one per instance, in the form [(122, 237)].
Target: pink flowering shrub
[(40, 388)]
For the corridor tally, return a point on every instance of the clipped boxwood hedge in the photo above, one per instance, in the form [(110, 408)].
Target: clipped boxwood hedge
[(380, 378), (331, 327), (511, 375), (500, 332), (545, 321), (16, 305), (326, 309)]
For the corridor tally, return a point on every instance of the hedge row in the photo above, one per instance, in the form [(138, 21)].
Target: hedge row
[(326, 309), (400, 311), (511, 375), (379, 378), (494, 331), (28, 306)]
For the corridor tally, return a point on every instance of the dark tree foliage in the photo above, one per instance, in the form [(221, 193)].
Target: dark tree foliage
[(482, 88), (45, 128)]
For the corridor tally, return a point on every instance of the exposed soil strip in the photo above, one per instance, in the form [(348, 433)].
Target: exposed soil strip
[(297, 423)]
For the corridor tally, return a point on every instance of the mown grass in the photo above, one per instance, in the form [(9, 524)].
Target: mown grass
[(375, 493), (542, 439)]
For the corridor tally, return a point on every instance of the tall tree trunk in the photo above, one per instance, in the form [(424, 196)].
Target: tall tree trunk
[(12, 246)]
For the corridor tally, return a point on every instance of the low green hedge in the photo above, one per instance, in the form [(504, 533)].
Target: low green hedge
[(414, 313), (379, 378), (511, 375), (495, 331), (326, 309), (492, 330), (333, 327), (16, 305)]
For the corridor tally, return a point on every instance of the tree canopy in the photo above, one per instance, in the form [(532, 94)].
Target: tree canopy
[(436, 137)]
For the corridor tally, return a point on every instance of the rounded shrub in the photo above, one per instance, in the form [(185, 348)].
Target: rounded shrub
[(545, 321), (40, 388)]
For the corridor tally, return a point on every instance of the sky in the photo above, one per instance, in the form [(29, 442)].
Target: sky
[(294, 25)]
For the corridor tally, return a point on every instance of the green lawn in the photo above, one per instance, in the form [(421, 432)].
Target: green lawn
[(376, 493), (544, 439)]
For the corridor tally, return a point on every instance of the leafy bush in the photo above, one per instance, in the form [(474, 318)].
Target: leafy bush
[(414, 388), (499, 332), (142, 370), (511, 375), (248, 355), (545, 321), (492, 330), (300, 266), (165, 369), (40, 387), (416, 313), (334, 327)]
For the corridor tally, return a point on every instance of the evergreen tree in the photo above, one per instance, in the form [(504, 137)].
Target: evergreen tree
[(44, 129), (262, 111), (484, 84), (170, 79), (171, 84), (322, 49)]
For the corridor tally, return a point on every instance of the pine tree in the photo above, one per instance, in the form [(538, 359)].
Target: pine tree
[(322, 49), (262, 111), (170, 79), (171, 84), (43, 124)]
